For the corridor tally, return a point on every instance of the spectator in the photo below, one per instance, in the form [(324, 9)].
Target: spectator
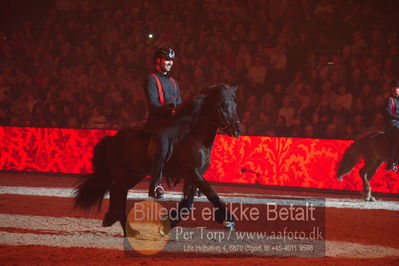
[(257, 72), (268, 107), (45, 66), (278, 94), (287, 111), (309, 131), (343, 99), (378, 105), (323, 67), (278, 61), (355, 82), (359, 127), (349, 133), (327, 95), (305, 110), (97, 120), (314, 79), (252, 105), (318, 127), (367, 95), (262, 124), (281, 128), (358, 43), (244, 55), (378, 124), (360, 108), (331, 132), (323, 10), (247, 123), (296, 128)]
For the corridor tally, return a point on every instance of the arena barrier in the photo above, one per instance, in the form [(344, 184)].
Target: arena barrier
[(275, 161)]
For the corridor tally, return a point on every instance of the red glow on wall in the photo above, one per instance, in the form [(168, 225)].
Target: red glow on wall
[(276, 161)]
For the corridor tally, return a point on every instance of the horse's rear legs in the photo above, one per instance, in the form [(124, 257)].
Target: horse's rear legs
[(117, 207), (366, 173)]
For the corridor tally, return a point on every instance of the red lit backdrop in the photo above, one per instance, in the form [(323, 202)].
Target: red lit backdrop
[(277, 161)]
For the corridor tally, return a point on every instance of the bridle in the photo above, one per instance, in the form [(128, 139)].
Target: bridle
[(222, 122)]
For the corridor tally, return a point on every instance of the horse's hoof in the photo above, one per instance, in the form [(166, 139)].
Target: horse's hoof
[(130, 232), (392, 167), (163, 231), (370, 199), (109, 220), (229, 225)]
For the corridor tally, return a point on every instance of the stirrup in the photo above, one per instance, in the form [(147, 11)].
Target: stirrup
[(198, 192), (157, 193)]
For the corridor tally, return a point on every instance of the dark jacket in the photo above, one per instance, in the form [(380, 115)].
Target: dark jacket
[(160, 115), (392, 111)]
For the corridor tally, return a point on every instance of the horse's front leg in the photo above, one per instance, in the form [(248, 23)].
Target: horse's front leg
[(185, 204), (222, 215)]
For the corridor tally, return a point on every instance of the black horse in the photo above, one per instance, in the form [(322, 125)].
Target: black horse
[(121, 161), (373, 149)]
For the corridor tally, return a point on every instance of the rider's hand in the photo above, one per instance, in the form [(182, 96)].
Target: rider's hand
[(172, 109), (164, 110)]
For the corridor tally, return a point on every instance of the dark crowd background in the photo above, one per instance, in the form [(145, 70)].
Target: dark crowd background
[(317, 69)]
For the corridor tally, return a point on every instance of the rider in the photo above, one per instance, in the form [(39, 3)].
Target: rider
[(163, 96), (392, 111)]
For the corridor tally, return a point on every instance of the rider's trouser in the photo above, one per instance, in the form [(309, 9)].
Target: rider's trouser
[(162, 143), (393, 144)]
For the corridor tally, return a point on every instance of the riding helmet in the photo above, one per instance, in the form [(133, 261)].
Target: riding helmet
[(164, 52)]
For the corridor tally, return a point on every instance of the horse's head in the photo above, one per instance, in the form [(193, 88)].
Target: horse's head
[(227, 118)]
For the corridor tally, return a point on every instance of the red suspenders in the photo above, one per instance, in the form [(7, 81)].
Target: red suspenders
[(160, 89)]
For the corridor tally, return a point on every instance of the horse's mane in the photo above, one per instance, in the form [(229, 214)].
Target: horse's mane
[(190, 111)]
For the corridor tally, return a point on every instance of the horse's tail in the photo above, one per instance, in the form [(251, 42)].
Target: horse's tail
[(350, 158), (92, 189)]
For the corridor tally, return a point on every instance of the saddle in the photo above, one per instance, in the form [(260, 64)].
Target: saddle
[(178, 131), (152, 149)]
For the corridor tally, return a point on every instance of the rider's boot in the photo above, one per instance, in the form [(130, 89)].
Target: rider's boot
[(156, 191)]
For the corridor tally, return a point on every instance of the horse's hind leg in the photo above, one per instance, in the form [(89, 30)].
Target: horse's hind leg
[(366, 181), (222, 215), (366, 173), (117, 207)]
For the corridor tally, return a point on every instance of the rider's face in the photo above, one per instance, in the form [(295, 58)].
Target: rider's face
[(395, 91), (166, 64)]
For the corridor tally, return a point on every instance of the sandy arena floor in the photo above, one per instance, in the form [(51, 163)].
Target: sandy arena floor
[(38, 225)]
